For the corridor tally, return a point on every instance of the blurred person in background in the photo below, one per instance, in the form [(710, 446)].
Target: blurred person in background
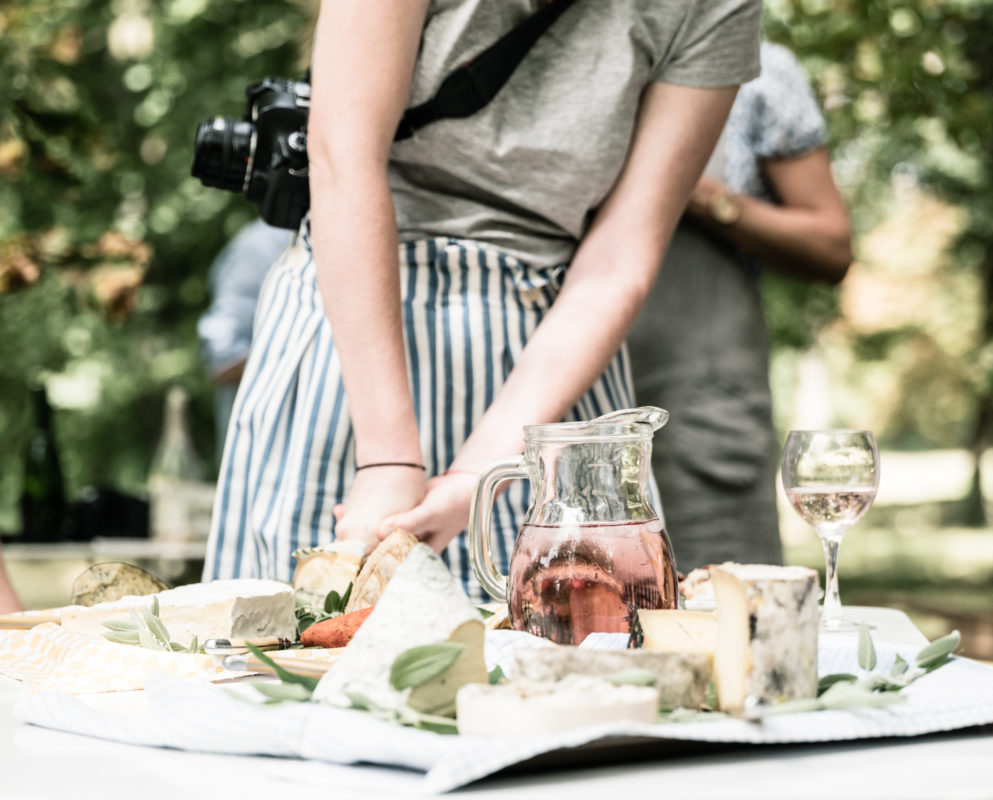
[(699, 347), (8, 598), (460, 269), (225, 328)]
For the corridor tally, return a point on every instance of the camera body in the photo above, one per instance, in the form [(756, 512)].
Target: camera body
[(264, 155)]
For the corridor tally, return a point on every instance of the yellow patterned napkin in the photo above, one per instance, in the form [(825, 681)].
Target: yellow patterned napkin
[(47, 658)]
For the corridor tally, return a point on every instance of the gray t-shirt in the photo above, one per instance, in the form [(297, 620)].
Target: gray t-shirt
[(526, 172)]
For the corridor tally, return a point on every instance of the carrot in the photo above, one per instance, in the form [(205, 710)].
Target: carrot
[(334, 632)]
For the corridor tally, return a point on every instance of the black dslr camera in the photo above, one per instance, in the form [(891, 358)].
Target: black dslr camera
[(263, 156)]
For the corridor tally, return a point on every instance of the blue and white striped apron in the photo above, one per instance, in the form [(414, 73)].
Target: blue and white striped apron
[(468, 311)]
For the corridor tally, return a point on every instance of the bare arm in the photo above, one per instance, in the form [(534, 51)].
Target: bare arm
[(363, 63), (8, 598), (607, 282), (808, 235)]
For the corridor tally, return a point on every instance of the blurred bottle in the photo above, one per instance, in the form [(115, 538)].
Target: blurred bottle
[(43, 499), (175, 480)]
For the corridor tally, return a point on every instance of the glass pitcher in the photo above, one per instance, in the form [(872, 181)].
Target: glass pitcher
[(592, 549)]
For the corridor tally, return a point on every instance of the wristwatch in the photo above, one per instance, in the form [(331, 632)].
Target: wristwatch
[(724, 207)]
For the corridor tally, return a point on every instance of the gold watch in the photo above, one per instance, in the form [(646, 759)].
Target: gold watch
[(724, 208)]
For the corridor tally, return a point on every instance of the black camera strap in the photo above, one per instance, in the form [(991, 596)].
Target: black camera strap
[(470, 87)]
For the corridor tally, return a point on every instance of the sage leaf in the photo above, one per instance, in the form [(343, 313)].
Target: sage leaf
[(827, 681), (194, 645), (147, 639), (345, 596), (632, 677), (122, 637), (175, 647), (867, 651), (308, 682), (332, 602), (119, 625), (418, 665), (362, 703), (277, 692), (155, 625), (485, 613), (429, 722), (495, 675), (899, 667), (155, 605), (936, 653), (848, 695)]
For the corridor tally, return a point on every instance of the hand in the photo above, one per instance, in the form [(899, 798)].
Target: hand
[(441, 515), (375, 494), (700, 197)]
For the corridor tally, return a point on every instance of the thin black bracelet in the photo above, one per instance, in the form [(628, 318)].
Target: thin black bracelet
[(410, 464)]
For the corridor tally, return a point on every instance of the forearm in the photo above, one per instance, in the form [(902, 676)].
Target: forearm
[(799, 241), (360, 89), (355, 250)]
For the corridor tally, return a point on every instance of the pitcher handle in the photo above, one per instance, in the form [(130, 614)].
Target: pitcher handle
[(480, 517)]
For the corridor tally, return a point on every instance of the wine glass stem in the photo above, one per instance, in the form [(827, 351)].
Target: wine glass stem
[(832, 599)]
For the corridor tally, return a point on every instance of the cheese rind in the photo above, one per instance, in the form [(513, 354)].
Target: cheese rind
[(681, 679), (527, 708), (225, 609), (768, 621), (422, 604)]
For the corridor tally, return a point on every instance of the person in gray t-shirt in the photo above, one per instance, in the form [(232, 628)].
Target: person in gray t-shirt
[(478, 276)]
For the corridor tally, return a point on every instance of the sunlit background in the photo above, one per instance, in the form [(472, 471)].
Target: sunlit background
[(105, 241)]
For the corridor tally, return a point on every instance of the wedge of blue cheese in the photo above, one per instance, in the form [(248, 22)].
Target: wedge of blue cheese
[(422, 604), (681, 679), (531, 708), (767, 628)]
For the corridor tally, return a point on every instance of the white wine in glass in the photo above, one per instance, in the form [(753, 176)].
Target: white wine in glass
[(831, 478)]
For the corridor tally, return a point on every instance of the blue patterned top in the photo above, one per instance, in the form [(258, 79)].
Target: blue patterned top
[(774, 116)]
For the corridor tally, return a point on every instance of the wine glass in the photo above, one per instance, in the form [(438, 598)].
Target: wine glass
[(830, 478)]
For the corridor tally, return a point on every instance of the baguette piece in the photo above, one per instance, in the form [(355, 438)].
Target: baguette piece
[(378, 569)]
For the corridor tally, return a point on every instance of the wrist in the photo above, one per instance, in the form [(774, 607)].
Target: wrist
[(724, 207)]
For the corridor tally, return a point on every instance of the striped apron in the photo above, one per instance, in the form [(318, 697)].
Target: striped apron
[(468, 311)]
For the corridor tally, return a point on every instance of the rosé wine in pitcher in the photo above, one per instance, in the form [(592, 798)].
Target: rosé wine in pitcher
[(567, 581)]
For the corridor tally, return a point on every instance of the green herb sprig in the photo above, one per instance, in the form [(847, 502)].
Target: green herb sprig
[(333, 606), (146, 629)]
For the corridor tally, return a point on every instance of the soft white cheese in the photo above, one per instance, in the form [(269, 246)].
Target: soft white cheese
[(422, 604), (681, 679), (524, 708), (228, 609), (767, 627)]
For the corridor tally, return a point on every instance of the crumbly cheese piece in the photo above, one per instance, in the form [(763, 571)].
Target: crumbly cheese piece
[(227, 609), (526, 708), (674, 630), (681, 679), (112, 580), (767, 620), (422, 604), (326, 568)]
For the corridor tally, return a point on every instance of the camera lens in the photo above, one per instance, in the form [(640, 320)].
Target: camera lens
[(222, 152)]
